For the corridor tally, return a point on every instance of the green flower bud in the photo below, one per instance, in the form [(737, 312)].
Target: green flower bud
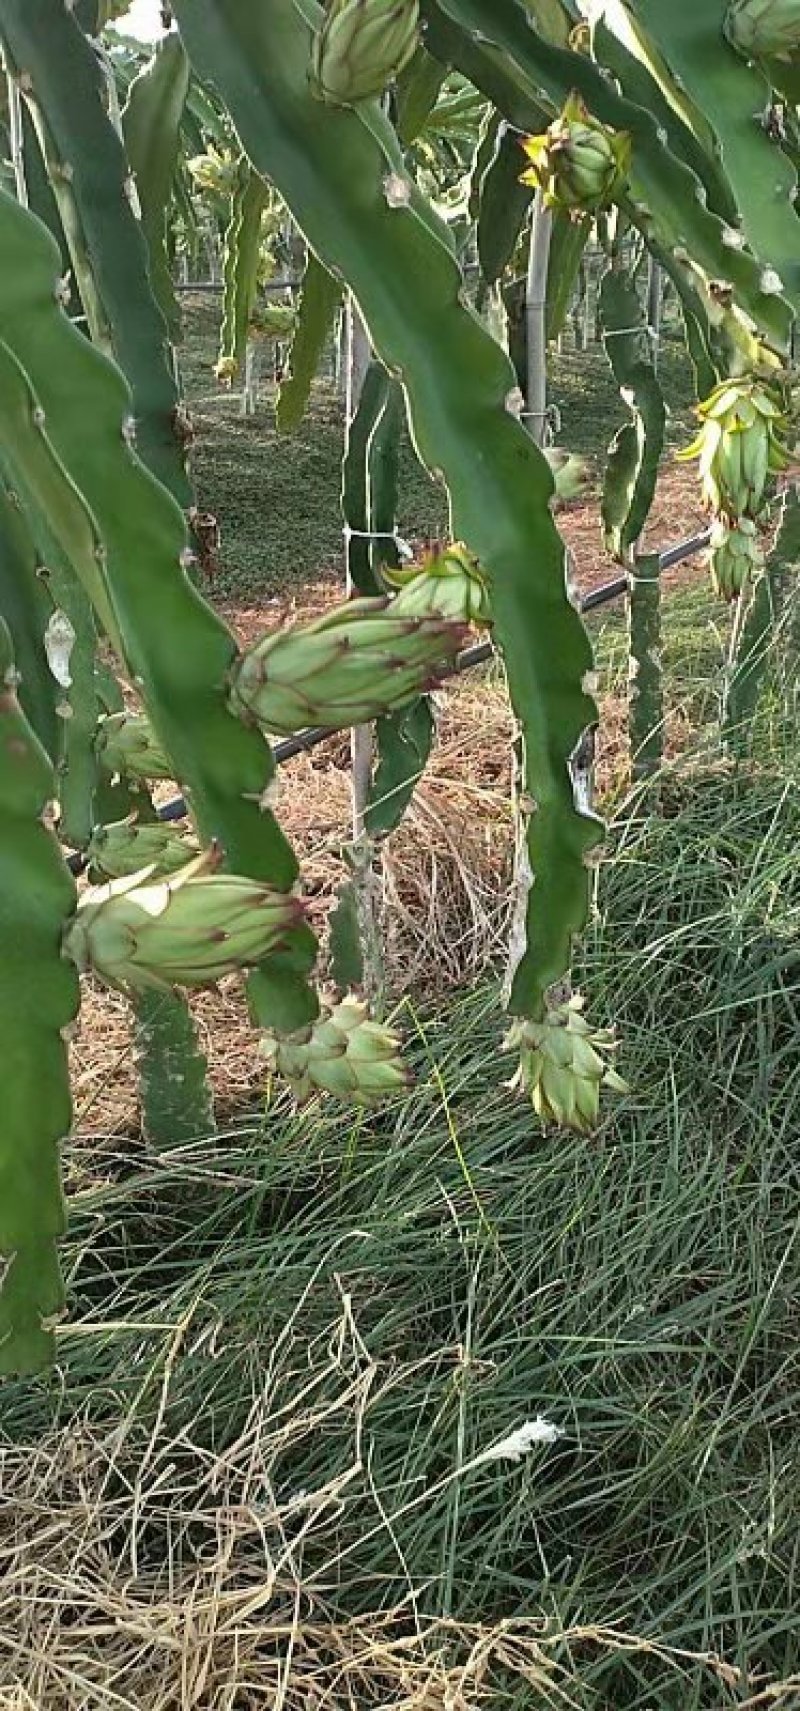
[(351, 665), (736, 557), (126, 744), (344, 1053), (271, 321), (125, 847), (360, 46), (448, 585), (764, 29), (563, 1065), (571, 473), (189, 930), (577, 163)]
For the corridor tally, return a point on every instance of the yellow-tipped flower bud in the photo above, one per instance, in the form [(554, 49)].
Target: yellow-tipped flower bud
[(735, 558), (448, 585), (577, 163), (563, 1063), (360, 46), (740, 444)]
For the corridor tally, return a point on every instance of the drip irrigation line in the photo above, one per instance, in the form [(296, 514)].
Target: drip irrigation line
[(684, 549), (304, 741)]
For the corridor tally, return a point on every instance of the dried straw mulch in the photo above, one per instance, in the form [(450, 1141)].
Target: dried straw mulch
[(142, 1572)]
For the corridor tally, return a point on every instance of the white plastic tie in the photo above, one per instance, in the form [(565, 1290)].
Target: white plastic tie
[(627, 332), (405, 550)]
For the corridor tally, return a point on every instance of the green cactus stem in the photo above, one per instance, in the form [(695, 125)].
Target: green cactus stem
[(630, 358), (755, 634), (175, 1099), (38, 1003), (645, 682), (240, 268), (64, 85), (504, 200), (151, 121), (25, 608), (136, 574), (320, 299), (494, 43), (733, 95)]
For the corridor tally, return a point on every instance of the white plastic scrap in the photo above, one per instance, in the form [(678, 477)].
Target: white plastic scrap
[(521, 1442)]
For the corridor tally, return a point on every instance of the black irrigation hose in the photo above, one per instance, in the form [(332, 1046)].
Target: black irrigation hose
[(304, 741), (684, 549)]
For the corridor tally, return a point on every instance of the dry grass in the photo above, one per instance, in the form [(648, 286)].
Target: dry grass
[(141, 1573)]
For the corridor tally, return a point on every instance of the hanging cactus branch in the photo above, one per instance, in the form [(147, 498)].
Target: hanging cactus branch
[(64, 84), (38, 1003), (139, 564), (365, 220)]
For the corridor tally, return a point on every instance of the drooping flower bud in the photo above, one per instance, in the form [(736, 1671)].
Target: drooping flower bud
[(736, 557), (344, 1053), (188, 930), (344, 668), (764, 29), (741, 442), (577, 163), (360, 46), (563, 1065), (448, 585), (127, 744), (125, 847)]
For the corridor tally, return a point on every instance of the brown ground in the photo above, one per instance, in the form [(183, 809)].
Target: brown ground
[(446, 869)]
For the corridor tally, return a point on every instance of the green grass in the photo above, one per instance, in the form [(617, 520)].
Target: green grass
[(277, 495), (414, 1286)]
